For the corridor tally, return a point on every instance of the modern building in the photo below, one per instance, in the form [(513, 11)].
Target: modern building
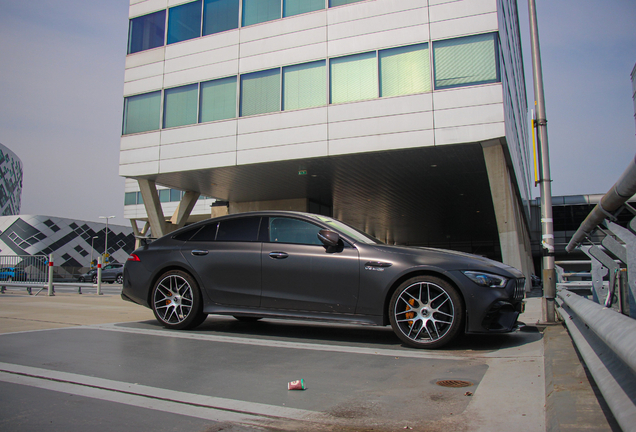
[(73, 243), (407, 119), (10, 182)]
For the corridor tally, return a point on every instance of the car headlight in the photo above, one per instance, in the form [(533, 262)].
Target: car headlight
[(486, 279)]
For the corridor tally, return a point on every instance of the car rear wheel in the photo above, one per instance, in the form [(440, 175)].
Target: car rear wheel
[(120, 279), (95, 279), (176, 301), (426, 312)]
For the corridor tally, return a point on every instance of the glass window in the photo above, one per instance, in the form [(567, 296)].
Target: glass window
[(287, 230), (130, 198), (218, 100), (175, 195), (243, 229), (466, 61), (405, 70), (184, 22), (296, 7), (164, 195), (140, 199), (258, 11), (333, 3), (207, 233), (353, 78), (304, 85), (142, 112), (220, 15), (146, 32), (260, 92), (187, 234), (180, 106)]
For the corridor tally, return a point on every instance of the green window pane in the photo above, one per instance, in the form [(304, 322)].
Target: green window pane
[(218, 100), (220, 15), (353, 78), (296, 7), (175, 195), (140, 199), (130, 198), (260, 92), (258, 11), (164, 195), (466, 61), (405, 70), (142, 112), (333, 3), (180, 106), (304, 85), (184, 22)]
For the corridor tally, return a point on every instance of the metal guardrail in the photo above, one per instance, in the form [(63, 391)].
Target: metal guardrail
[(604, 328)]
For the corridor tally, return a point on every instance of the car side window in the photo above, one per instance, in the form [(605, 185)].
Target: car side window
[(288, 230), (205, 233), (241, 229)]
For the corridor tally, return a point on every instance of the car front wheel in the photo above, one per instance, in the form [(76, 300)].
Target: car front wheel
[(94, 279), (426, 312), (120, 279), (176, 301)]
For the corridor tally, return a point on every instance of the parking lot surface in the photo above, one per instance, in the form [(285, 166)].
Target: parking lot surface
[(77, 362)]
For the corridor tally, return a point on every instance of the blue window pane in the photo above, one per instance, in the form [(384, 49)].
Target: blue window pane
[(297, 7), (220, 15), (140, 199), (130, 198), (175, 195), (333, 3), (258, 11), (184, 22), (164, 195), (146, 32)]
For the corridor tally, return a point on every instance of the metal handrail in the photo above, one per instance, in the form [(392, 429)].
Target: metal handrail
[(618, 195)]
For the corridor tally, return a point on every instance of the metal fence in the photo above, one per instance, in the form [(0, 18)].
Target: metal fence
[(23, 268), (600, 312)]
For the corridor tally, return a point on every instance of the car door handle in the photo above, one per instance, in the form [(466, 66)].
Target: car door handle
[(199, 252), (278, 255)]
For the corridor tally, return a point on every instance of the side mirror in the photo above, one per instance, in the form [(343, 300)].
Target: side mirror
[(329, 238)]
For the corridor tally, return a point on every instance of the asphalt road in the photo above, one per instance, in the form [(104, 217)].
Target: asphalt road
[(76, 363)]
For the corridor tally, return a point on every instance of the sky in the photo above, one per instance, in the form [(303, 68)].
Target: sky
[(61, 97)]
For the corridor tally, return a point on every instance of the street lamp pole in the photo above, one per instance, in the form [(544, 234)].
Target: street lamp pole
[(106, 237), (547, 226)]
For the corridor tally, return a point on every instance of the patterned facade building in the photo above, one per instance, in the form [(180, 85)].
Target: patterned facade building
[(10, 182)]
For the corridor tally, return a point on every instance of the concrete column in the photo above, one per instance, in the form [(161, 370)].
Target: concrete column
[(182, 213), (513, 233), (154, 211)]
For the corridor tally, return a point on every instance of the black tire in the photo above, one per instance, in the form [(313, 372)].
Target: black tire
[(426, 312), (120, 279), (247, 319), (176, 301)]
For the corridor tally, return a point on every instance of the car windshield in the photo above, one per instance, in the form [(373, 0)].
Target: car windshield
[(353, 233)]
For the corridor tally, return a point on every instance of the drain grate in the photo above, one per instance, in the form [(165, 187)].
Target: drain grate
[(454, 383)]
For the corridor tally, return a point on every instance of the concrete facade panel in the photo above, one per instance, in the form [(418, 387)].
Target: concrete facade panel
[(464, 26), (469, 133), (373, 41), (130, 142), (407, 18), (212, 56), (282, 120), (197, 162), (369, 9), (199, 132), (139, 169), (198, 148), (203, 44), (145, 57), (381, 107), (469, 115), (463, 8), (142, 72), (145, 154), (285, 152), (381, 125), (143, 86), (283, 42), (282, 137), (300, 54), (201, 74), (146, 7), (381, 142), (284, 26), (468, 96)]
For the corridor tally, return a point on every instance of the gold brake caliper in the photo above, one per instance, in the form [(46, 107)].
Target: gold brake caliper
[(410, 315)]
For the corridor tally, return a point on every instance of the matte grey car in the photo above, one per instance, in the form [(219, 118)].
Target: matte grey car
[(298, 265)]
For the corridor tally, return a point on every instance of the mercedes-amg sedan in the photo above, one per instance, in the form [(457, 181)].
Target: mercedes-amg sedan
[(298, 265)]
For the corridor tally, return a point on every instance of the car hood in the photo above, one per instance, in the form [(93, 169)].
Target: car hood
[(450, 260)]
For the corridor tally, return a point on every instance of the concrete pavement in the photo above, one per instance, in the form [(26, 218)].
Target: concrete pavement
[(359, 378)]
